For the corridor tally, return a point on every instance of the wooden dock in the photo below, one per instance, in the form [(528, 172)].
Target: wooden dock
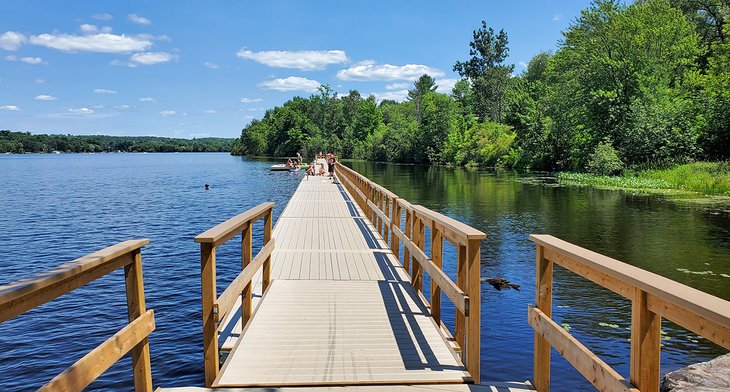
[(327, 301), (340, 309)]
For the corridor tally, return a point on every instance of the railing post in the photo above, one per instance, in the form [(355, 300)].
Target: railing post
[(389, 214), (379, 204), (210, 329), (419, 237), (409, 236), (395, 222), (266, 280), (473, 327), (646, 329), (544, 302), (141, 367), (246, 257), (460, 320), (437, 244)]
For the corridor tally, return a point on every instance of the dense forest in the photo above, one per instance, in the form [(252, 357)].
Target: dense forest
[(23, 142), (645, 84)]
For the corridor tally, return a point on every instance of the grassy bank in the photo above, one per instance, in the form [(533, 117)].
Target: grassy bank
[(704, 178)]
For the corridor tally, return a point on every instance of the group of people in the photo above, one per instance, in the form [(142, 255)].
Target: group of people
[(294, 165), (322, 165)]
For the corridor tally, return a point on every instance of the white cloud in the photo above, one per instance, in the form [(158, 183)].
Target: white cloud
[(103, 16), (11, 108), (31, 60), (134, 18), (369, 71), (166, 113), (251, 100), (120, 63), (101, 43), (292, 83), (28, 60), (210, 111), (398, 96), (148, 58), (81, 111), (123, 107), (88, 28), (557, 17), (523, 64), (104, 91), (147, 99), (398, 86), (10, 40), (210, 65), (305, 60), (40, 81), (445, 85), (45, 98)]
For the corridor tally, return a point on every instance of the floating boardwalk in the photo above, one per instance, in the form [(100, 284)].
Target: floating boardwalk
[(329, 303), (340, 309)]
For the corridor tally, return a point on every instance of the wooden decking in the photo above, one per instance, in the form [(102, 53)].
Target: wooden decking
[(340, 309)]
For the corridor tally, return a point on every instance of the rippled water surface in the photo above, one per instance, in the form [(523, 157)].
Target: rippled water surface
[(54, 208), (685, 243)]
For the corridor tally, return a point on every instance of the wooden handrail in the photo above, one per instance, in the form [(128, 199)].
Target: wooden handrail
[(21, 296), (379, 213), (663, 290), (603, 377), (452, 226), (653, 297), (223, 232), (385, 210), (227, 299), (215, 308), (450, 289), (87, 369)]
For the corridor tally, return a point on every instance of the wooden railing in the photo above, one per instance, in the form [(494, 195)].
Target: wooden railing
[(24, 295), (385, 211), (652, 297), (215, 308)]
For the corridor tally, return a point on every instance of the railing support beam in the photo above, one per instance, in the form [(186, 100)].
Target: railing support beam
[(473, 322), (210, 327), (136, 307), (646, 329), (544, 302)]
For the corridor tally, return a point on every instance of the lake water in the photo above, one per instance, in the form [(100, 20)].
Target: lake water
[(54, 208)]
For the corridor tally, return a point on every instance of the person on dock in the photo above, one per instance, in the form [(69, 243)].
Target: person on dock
[(331, 164)]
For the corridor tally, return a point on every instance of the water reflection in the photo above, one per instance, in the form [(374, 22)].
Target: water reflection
[(676, 241)]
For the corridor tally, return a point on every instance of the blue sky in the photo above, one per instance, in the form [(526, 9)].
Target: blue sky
[(195, 69)]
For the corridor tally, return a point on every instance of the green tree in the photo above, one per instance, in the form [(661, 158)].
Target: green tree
[(422, 86), (489, 77), (716, 99)]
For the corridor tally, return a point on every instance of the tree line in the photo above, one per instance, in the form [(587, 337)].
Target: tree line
[(640, 85), (25, 142)]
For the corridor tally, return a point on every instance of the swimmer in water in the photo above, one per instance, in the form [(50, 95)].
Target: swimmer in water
[(207, 186)]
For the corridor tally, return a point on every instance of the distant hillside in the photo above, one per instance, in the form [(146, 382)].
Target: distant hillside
[(25, 142)]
